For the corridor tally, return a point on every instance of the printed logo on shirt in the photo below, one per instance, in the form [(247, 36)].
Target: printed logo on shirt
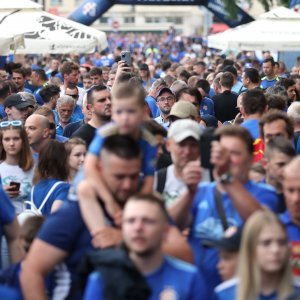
[(295, 258), (168, 294)]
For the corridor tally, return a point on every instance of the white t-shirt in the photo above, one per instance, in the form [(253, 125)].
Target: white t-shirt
[(175, 187), (10, 173)]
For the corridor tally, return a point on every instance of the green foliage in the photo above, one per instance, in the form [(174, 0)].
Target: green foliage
[(267, 4)]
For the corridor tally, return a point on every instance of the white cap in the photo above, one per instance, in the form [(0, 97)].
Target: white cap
[(182, 129)]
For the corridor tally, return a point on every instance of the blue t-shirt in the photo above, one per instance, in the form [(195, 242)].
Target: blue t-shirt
[(253, 127), (207, 224), (153, 106), (2, 111), (59, 128), (148, 147), (207, 107), (266, 83), (228, 291), (42, 188), (178, 280), (7, 213)]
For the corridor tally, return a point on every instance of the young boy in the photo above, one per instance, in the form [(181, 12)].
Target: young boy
[(128, 114)]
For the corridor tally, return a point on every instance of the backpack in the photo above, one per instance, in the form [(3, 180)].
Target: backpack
[(121, 280), (33, 210), (161, 180)]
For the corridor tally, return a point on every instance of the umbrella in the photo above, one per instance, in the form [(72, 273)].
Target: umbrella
[(46, 33), (277, 30)]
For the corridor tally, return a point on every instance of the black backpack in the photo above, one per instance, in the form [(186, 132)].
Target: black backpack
[(121, 279)]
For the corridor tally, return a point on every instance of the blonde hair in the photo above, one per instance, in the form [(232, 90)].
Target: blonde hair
[(248, 271)]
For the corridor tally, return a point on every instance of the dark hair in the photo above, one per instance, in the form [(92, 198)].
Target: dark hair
[(95, 71), (42, 74), (277, 89), (271, 60), (185, 74), (190, 91), (123, 146), (276, 102), (48, 92), (230, 69), (204, 85), (252, 74), (239, 132), (72, 86), (4, 89), (254, 101), (95, 88), (20, 71), (151, 198), (285, 82), (155, 128), (68, 67), (200, 63), (274, 115), (226, 80), (12, 86), (53, 162), (279, 144)]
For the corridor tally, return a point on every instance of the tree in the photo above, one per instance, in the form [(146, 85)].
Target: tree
[(231, 5)]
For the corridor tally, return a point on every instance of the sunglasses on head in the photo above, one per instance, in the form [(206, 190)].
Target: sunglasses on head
[(73, 96), (15, 123)]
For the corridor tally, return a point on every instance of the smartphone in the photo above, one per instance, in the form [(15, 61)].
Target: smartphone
[(207, 137), (126, 57), (16, 186)]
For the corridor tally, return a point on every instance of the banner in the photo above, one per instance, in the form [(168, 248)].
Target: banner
[(90, 10)]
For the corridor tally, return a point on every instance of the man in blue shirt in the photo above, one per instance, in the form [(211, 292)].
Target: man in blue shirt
[(238, 197), (207, 104), (65, 237), (145, 226), (271, 78)]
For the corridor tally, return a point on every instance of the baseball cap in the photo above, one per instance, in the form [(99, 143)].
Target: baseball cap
[(182, 129), (229, 242), (144, 67), (18, 101), (183, 110), (210, 121), (165, 90)]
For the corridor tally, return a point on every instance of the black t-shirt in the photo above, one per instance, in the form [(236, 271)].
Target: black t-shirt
[(225, 106), (85, 132)]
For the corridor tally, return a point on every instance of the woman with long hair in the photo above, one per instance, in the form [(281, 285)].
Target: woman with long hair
[(51, 178), (17, 165), (76, 151), (263, 271)]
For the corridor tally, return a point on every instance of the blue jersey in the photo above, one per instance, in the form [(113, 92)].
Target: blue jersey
[(253, 127), (293, 232), (207, 107), (228, 291), (146, 142), (7, 213), (266, 83), (42, 188), (66, 230), (175, 279), (207, 224), (155, 112)]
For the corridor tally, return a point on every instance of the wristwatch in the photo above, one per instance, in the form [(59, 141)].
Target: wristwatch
[(226, 178)]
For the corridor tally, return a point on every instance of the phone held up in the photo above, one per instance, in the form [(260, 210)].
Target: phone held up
[(15, 186), (126, 57), (207, 137)]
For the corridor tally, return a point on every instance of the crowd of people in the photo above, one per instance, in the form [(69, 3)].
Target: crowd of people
[(181, 166)]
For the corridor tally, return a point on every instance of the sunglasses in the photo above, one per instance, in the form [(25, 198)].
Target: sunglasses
[(15, 123), (73, 96)]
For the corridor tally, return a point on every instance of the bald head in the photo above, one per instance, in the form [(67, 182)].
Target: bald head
[(37, 129), (292, 169)]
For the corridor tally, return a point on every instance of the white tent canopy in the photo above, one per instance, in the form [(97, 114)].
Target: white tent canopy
[(46, 33), (277, 30)]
